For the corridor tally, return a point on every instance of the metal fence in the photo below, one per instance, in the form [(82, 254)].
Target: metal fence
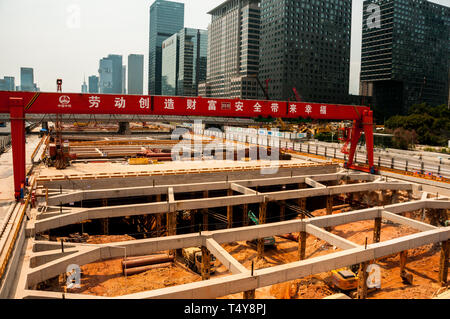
[(5, 141), (397, 162)]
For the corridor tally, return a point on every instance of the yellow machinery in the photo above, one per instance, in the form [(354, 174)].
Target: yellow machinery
[(193, 258), (344, 279)]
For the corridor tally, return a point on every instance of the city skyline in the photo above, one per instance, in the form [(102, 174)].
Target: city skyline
[(63, 37)]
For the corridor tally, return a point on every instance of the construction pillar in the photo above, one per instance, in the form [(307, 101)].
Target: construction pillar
[(193, 212), (395, 197), (362, 283), (443, 267), (302, 245), (245, 214), (250, 294), (158, 218), (124, 128), (205, 213), (282, 210), (230, 211), (403, 260), (105, 221), (262, 220), (329, 209), (377, 230), (206, 263)]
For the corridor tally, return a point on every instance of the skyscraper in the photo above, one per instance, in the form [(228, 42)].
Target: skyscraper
[(84, 87), (233, 49), (7, 83), (124, 79), (135, 74), (27, 80), (166, 19), (169, 65), (105, 76), (305, 44), (93, 84), (405, 59), (111, 74), (192, 60)]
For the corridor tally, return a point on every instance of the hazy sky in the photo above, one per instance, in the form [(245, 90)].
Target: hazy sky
[(48, 36)]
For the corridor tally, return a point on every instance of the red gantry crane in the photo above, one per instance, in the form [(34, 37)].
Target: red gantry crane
[(19, 104)]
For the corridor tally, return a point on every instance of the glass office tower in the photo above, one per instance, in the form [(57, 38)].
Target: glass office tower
[(406, 60), (135, 74), (305, 44), (166, 19)]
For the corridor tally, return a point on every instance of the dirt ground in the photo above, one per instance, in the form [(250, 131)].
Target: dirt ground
[(106, 279)]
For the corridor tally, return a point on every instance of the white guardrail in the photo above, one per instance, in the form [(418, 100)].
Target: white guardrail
[(291, 141)]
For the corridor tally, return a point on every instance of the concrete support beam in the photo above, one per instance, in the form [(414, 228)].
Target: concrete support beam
[(330, 238), (242, 189), (206, 263), (262, 221), (225, 258), (362, 282), (314, 183), (243, 282), (377, 230), (245, 214), (158, 219), (302, 245), (329, 209), (205, 213), (345, 218), (74, 196), (403, 261), (444, 262), (282, 210), (406, 221), (52, 269), (250, 294), (437, 204), (230, 211)]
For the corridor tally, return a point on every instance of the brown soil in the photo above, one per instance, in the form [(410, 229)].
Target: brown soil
[(105, 278)]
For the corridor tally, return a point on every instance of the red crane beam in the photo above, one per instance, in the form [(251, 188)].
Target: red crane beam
[(18, 104)]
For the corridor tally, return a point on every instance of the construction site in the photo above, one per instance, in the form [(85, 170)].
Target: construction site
[(166, 210)]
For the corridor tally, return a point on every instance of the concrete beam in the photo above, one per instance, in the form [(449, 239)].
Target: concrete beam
[(437, 204), (345, 218), (330, 238), (74, 196), (225, 258), (241, 189), (209, 289), (258, 231), (313, 183), (54, 268), (406, 221)]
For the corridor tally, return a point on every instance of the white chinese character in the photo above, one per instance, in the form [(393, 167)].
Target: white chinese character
[(239, 106), (308, 109), (119, 102), (293, 108), (275, 107), (191, 104), (169, 104), (212, 105), (323, 109), (144, 103), (94, 101), (257, 108)]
